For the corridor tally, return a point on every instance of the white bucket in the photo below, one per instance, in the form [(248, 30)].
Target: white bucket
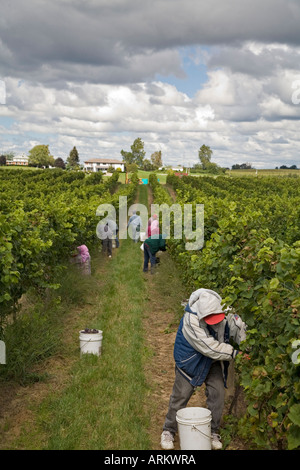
[(90, 343), (143, 236), (194, 428)]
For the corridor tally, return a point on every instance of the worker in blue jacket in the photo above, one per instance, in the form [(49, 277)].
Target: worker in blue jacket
[(202, 353)]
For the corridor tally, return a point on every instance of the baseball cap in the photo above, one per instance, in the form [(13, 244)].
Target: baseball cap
[(214, 318)]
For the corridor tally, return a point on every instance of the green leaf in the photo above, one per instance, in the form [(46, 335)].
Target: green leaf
[(274, 283), (294, 438), (294, 414)]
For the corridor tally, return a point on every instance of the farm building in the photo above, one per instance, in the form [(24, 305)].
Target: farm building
[(102, 164), (18, 160)]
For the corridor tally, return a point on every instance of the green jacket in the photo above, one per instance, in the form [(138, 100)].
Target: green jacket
[(156, 243)]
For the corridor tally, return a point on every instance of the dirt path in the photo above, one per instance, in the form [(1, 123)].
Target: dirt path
[(160, 323), (166, 292)]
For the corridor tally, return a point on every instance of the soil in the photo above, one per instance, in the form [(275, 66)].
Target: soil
[(89, 331)]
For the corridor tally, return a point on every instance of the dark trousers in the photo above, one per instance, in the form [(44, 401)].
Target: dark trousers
[(183, 390), (107, 246), (148, 256)]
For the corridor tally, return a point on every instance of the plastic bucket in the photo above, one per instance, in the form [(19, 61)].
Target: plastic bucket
[(90, 343), (194, 428)]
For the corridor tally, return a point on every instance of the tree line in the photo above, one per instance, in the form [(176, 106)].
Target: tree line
[(40, 156), (134, 159)]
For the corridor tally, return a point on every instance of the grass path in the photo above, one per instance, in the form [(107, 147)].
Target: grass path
[(103, 406)]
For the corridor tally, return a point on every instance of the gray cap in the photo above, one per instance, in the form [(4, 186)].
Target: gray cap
[(205, 302)]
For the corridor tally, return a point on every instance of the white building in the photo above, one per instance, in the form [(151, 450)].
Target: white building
[(102, 164), (177, 168), (18, 160)]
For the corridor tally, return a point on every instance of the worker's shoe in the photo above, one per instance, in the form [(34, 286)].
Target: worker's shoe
[(216, 443), (167, 440)]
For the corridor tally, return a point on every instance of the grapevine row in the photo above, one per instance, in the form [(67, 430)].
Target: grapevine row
[(43, 216), (251, 256)]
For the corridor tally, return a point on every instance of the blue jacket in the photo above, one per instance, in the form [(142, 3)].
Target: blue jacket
[(190, 362)]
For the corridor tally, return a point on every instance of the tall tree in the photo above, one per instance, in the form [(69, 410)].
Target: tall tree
[(40, 156), (205, 154), (73, 158), (9, 156), (156, 159), (59, 163), (136, 155), (2, 160), (147, 165)]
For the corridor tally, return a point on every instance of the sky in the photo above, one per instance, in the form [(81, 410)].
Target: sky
[(97, 74)]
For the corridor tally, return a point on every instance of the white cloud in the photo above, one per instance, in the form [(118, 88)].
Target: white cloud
[(249, 123), (83, 73), (153, 109), (219, 90)]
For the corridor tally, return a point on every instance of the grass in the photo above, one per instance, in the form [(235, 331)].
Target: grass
[(18, 167), (162, 175), (270, 172), (102, 408), (36, 334), (143, 174)]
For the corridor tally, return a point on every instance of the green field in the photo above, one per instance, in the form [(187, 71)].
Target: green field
[(162, 176), (269, 172)]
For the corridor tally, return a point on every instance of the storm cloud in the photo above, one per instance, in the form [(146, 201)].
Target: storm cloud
[(129, 41), (86, 73)]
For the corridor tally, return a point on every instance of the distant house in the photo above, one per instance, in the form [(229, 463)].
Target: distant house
[(20, 160), (178, 168), (102, 164)]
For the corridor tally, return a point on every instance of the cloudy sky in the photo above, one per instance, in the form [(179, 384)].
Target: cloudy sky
[(97, 74)]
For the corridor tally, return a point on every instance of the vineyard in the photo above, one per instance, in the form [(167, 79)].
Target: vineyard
[(43, 217), (251, 256)]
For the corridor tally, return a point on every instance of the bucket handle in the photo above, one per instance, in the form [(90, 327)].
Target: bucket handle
[(201, 432), (90, 341)]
